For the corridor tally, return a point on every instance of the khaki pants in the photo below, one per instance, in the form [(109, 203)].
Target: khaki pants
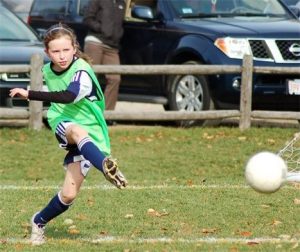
[(106, 56)]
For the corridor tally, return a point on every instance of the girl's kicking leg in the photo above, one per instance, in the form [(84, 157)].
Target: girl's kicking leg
[(76, 135)]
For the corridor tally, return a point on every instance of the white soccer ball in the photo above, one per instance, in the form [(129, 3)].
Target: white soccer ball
[(265, 172)]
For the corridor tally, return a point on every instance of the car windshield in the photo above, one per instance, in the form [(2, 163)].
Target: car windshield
[(13, 29), (291, 2), (214, 8), (18, 5)]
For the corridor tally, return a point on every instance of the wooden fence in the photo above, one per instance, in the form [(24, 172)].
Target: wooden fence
[(245, 114)]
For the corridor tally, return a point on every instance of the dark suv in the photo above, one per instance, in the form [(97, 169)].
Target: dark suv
[(198, 32)]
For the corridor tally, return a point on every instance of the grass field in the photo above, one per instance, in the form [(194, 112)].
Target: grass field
[(186, 193)]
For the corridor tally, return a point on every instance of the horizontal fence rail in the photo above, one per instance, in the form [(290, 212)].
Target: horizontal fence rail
[(35, 113), (166, 69)]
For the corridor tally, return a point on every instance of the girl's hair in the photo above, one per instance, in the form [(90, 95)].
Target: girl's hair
[(58, 30)]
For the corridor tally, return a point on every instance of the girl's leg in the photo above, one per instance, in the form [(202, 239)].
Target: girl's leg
[(62, 201), (59, 203), (76, 135)]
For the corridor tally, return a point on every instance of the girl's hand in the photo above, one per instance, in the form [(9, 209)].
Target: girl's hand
[(20, 92)]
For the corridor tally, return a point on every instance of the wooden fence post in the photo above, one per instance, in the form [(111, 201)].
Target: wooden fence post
[(36, 83), (246, 93)]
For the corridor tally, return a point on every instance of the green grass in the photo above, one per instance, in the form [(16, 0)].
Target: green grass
[(192, 179)]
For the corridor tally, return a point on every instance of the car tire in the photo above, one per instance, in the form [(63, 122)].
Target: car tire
[(189, 93)]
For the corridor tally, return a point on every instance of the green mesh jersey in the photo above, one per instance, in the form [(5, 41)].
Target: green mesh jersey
[(88, 114)]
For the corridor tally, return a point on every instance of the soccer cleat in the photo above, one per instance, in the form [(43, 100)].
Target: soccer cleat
[(113, 174), (37, 233)]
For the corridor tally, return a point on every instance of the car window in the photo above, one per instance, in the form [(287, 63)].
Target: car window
[(82, 6), (49, 6), (12, 28), (188, 7)]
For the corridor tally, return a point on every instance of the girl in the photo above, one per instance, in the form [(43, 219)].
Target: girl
[(76, 118)]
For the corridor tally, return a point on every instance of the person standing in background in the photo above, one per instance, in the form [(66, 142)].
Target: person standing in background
[(104, 20)]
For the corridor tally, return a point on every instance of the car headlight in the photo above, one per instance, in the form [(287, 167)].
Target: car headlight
[(3, 76), (234, 48)]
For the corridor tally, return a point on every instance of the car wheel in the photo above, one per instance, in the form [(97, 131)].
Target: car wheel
[(189, 93)]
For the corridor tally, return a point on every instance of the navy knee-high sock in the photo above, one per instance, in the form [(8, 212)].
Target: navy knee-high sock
[(91, 152), (54, 208)]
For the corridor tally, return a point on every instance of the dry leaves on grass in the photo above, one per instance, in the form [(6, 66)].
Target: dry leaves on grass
[(150, 138), (220, 134)]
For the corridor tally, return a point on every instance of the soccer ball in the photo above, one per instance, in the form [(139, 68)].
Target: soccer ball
[(265, 172)]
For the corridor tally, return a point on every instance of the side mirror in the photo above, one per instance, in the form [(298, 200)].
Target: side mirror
[(142, 12)]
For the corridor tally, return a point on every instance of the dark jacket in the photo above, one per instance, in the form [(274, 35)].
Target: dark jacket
[(104, 19)]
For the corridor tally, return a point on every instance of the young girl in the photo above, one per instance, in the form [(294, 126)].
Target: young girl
[(76, 118)]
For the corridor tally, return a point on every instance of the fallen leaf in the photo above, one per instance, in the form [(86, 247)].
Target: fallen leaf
[(151, 211), (73, 231), (81, 217), (128, 216), (285, 237), (207, 136), (296, 245), (190, 182), (295, 185), (297, 201), (209, 230), (90, 201), (271, 141), (155, 213), (265, 206), (68, 222), (25, 225), (103, 232), (245, 233), (276, 222), (251, 243)]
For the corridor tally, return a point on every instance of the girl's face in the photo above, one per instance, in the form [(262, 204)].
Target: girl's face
[(61, 52)]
